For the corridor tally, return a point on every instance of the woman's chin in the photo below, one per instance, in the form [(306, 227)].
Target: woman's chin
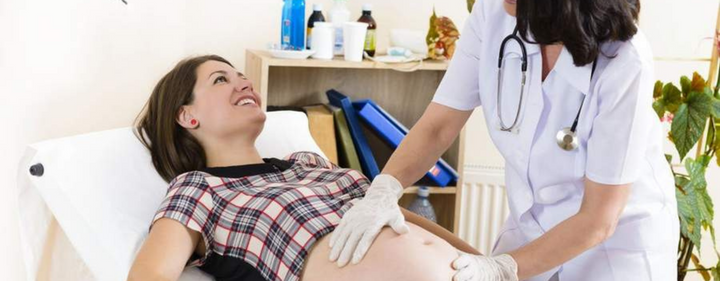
[(261, 117), (510, 8)]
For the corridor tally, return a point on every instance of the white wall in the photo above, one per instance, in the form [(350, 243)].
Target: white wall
[(75, 66)]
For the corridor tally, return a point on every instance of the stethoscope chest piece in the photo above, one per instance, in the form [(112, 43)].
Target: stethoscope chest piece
[(567, 140)]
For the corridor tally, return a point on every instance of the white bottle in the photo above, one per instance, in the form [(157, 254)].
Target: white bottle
[(339, 14)]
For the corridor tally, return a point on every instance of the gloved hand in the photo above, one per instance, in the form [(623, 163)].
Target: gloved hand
[(363, 222), (481, 268)]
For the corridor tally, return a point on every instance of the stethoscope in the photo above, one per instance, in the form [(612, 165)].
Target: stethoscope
[(566, 138)]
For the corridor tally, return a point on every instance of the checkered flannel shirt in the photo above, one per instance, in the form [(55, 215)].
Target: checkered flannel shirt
[(269, 220)]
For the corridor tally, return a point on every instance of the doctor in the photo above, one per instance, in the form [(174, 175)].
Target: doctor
[(567, 100)]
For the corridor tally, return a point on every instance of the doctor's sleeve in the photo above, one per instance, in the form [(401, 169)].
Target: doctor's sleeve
[(459, 88), (620, 132)]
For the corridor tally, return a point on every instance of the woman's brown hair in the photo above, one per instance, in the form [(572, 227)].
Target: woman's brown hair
[(582, 25), (173, 149)]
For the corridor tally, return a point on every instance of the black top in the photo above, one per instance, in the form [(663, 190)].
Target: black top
[(224, 268)]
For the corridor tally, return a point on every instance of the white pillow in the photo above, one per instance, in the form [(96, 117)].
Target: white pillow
[(103, 190)]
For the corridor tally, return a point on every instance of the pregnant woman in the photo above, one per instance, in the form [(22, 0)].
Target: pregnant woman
[(238, 216)]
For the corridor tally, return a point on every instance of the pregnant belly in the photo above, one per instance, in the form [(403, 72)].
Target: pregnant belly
[(418, 255)]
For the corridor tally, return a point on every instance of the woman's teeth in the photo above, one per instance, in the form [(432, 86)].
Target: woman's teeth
[(245, 101)]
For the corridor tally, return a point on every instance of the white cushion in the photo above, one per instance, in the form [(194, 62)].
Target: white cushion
[(103, 191)]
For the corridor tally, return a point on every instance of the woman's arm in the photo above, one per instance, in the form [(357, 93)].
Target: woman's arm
[(438, 230), (165, 252), (425, 143), (428, 139), (594, 223)]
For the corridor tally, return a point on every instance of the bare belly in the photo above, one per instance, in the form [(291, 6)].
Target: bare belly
[(418, 255)]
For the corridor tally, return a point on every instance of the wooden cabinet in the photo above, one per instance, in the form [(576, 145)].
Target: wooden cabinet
[(403, 94)]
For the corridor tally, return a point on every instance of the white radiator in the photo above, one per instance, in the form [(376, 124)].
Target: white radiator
[(483, 209)]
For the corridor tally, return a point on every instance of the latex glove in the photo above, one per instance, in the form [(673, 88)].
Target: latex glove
[(363, 222), (481, 268)]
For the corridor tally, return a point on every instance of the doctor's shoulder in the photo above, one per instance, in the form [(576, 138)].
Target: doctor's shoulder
[(628, 56), (628, 68)]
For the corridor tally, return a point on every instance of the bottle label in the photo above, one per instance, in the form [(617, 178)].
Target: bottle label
[(309, 38), (370, 40), (339, 41)]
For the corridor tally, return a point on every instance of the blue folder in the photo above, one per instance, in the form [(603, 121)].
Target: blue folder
[(393, 133), (367, 160)]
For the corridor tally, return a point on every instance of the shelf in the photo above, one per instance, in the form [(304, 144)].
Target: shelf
[(433, 190), (403, 93), (339, 62)]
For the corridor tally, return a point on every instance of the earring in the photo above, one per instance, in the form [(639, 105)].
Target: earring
[(193, 122)]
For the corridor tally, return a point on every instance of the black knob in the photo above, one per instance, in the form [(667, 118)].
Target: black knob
[(37, 170)]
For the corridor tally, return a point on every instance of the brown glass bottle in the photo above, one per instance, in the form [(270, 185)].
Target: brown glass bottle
[(316, 16), (372, 26)]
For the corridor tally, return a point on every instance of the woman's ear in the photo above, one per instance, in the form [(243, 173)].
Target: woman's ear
[(186, 119)]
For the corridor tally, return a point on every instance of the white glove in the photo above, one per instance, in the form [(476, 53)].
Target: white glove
[(363, 222), (481, 268)]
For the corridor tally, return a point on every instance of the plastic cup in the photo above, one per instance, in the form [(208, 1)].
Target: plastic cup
[(323, 40), (354, 40)]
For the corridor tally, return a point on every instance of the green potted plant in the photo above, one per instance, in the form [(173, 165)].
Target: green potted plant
[(693, 110)]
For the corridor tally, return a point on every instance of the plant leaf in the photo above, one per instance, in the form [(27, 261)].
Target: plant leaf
[(708, 91), (685, 129), (717, 141), (432, 32), (698, 83), (697, 198), (681, 182), (715, 271), (701, 103), (688, 228), (659, 107), (470, 4), (667, 98), (715, 107), (689, 122), (686, 215), (657, 92), (712, 230), (685, 85), (672, 98)]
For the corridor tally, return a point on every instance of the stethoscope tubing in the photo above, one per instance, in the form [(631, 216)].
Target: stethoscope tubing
[(567, 139)]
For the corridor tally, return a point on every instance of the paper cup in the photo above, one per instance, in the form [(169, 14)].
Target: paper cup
[(323, 40), (354, 40)]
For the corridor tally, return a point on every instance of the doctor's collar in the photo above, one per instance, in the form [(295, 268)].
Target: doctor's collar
[(577, 76)]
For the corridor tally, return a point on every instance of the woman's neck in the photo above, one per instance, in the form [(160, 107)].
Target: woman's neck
[(233, 154), (550, 54)]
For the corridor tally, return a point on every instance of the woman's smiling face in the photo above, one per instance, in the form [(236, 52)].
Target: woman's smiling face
[(225, 104)]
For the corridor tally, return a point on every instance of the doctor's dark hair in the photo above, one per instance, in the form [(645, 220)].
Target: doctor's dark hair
[(173, 149), (581, 25)]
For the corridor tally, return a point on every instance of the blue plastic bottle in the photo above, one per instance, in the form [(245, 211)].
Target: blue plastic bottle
[(421, 205), (292, 28)]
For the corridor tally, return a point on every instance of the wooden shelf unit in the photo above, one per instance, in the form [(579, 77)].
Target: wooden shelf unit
[(405, 95)]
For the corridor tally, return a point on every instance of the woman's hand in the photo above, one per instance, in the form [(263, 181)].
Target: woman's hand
[(362, 223), (481, 268)]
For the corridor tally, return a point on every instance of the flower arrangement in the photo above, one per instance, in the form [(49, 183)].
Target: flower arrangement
[(441, 37)]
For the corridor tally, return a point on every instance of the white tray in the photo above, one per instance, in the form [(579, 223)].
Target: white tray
[(290, 54)]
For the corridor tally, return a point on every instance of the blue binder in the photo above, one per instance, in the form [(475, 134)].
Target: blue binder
[(367, 160), (393, 133)]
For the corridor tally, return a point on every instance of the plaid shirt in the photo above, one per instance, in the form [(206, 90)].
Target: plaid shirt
[(269, 220)]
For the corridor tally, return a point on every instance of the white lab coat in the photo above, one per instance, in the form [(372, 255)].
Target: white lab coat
[(620, 143)]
